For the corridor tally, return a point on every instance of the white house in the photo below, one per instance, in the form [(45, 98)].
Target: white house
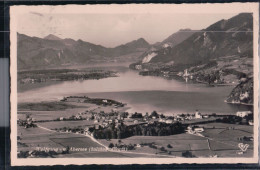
[(244, 95), (186, 73), (135, 121), (198, 115), (199, 129), (243, 113), (78, 117), (138, 67), (162, 120), (138, 146), (169, 121), (205, 116)]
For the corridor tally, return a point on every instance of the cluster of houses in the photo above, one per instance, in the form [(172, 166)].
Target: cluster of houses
[(39, 153), (103, 120), (28, 123), (73, 117), (244, 96), (243, 114), (31, 80), (27, 80), (194, 129)]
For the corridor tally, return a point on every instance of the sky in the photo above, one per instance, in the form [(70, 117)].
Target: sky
[(113, 29)]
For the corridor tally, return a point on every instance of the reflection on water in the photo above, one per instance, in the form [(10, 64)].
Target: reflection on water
[(142, 93)]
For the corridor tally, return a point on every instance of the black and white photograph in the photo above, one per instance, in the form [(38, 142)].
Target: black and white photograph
[(144, 83)]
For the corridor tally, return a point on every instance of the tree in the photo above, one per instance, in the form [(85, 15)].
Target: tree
[(154, 113), (214, 114), (118, 134), (28, 115), (67, 149), (169, 146), (163, 149), (111, 145), (187, 154)]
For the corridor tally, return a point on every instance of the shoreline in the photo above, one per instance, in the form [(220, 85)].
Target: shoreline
[(239, 103), (71, 105)]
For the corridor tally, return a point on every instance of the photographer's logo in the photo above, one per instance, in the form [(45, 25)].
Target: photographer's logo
[(243, 147)]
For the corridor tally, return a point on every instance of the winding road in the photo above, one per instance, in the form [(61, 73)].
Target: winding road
[(107, 149)]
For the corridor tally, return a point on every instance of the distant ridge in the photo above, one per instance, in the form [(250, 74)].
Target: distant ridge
[(222, 38), (52, 37), (52, 51)]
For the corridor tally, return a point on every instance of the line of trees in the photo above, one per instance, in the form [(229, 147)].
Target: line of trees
[(122, 131)]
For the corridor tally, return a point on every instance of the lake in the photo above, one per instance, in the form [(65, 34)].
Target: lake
[(141, 93)]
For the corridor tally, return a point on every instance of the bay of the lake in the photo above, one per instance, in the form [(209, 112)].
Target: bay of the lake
[(141, 93)]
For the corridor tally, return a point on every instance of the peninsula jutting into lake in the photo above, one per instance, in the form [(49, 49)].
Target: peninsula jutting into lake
[(189, 95)]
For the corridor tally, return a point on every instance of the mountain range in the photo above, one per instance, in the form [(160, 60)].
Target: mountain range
[(223, 38), (51, 51), (162, 48)]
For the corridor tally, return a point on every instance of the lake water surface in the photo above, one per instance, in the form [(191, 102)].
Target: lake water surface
[(141, 93)]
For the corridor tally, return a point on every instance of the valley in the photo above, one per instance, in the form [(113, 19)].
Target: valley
[(190, 95)]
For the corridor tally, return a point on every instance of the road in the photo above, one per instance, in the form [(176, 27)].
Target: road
[(108, 150)]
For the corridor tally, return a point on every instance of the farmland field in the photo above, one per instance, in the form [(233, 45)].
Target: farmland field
[(37, 137), (180, 143), (50, 115), (220, 142), (70, 124), (249, 129), (77, 142)]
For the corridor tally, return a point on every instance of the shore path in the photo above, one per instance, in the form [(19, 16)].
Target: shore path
[(108, 150)]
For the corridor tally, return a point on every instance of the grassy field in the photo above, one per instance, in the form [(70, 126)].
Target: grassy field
[(70, 124), (198, 120), (180, 143), (46, 106), (219, 138), (106, 155), (224, 141), (246, 128), (219, 141), (77, 142), (37, 137), (50, 115)]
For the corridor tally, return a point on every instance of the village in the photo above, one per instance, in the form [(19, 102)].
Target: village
[(115, 119), (107, 124), (228, 70)]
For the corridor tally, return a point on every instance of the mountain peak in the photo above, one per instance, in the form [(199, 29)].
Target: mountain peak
[(142, 41), (52, 37), (185, 29)]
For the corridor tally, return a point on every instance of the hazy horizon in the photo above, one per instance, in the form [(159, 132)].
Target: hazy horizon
[(111, 30)]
